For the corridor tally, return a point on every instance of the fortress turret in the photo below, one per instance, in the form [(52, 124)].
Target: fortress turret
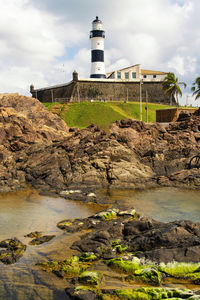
[(97, 36)]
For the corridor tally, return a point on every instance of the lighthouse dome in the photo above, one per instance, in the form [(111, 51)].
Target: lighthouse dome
[(97, 24)]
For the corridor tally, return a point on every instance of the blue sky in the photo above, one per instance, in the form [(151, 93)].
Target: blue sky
[(42, 42)]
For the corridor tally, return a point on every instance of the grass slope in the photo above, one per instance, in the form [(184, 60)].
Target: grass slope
[(102, 114)]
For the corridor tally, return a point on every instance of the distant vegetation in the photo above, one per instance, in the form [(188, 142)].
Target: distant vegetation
[(196, 88), (171, 86), (102, 114)]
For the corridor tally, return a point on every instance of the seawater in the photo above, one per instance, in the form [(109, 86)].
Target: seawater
[(27, 211), (162, 204)]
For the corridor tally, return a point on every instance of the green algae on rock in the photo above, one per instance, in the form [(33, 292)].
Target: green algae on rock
[(153, 294), (88, 256), (12, 250), (120, 248), (125, 266), (153, 273), (94, 293), (34, 234), (189, 271), (90, 278), (67, 268), (108, 214), (149, 275)]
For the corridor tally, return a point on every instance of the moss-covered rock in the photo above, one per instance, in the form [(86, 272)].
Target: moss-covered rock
[(34, 234), (153, 273), (148, 275), (65, 224), (108, 214), (190, 271), (12, 250), (67, 268), (120, 248), (153, 294), (88, 256), (90, 278), (126, 266)]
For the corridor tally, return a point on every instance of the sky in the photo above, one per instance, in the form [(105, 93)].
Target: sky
[(43, 41)]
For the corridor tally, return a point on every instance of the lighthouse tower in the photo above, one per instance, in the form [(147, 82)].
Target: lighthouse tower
[(97, 36)]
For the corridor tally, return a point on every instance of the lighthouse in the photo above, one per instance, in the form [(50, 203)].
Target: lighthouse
[(97, 36)]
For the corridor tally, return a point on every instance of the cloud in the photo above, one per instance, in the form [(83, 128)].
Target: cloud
[(38, 37)]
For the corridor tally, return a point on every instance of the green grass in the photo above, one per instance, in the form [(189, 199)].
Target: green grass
[(103, 114)]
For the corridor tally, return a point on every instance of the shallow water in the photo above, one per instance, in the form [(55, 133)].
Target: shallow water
[(26, 211), (162, 204)]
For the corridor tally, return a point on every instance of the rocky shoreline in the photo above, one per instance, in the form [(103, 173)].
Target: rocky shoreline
[(38, 149), (138, 250), (122, 255)]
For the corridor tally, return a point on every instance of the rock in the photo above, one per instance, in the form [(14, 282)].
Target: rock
[(36, 148), (88, 256), (164, 241), (154, 293), (90, 278), (41, 240), (68, 268), (148, 275), (13, 251), (150, 239), (80, 293), (76, 225), (108, 214), (35, 234), (91, 195)]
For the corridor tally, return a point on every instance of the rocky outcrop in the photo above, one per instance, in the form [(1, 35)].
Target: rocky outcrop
[(147, 238), (25, 126), (11, 250), (129, 250), (36, 148)]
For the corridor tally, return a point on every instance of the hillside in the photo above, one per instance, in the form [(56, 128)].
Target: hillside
[(83, 114)]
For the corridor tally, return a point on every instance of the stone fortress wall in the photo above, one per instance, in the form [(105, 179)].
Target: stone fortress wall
[(79, 90)]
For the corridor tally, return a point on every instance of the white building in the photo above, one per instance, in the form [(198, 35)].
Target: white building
[(135, 73)]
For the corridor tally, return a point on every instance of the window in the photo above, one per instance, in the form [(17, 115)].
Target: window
[(112, 76), (119, 75), (133, 74), (154, 76), (144, 76), (126, 75)]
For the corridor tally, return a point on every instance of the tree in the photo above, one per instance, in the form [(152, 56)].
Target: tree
[(196, 88), (171, 86)]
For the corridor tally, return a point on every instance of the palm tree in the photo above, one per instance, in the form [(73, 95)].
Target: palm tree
[(196, 88), (171, 86)]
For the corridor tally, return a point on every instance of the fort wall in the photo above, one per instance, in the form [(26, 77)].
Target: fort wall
[(106, 90)]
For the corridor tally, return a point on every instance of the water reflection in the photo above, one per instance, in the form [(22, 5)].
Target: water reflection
[(26, 211), (163, 204)]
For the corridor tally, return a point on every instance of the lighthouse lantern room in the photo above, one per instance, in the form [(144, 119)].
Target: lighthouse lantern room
[(97, 36)]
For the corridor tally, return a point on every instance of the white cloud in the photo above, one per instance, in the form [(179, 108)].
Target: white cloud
[(37, 38)]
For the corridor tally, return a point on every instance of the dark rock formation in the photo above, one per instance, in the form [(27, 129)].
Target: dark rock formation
[(11, 250), (37, 149), (153, 240), (41, 240)]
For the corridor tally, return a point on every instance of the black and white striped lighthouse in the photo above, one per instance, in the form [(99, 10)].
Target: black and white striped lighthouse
[(97, 36)]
